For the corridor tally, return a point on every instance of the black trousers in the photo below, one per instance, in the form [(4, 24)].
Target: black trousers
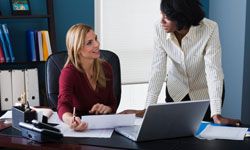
[(187, 98)]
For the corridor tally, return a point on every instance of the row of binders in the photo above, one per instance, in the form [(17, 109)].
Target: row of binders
[(6, 50), (38, 45), (14, 83)]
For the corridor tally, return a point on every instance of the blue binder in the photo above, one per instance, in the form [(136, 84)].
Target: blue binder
[(30, 34), (5, 51), (8, 42)]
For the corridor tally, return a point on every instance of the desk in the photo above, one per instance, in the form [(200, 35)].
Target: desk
[(22, 143), (119, 142)]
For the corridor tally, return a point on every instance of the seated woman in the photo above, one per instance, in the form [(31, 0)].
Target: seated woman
[(86, 81)]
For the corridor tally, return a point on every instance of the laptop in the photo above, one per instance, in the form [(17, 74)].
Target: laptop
[(168, 120)]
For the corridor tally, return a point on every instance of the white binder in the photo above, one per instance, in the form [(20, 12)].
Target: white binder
[(5, 89), (40, 45), (32, 87), (18, 87)]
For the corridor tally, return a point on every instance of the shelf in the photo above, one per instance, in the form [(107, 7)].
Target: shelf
[(30, 62), (25, 17), (49, 16), (40, 65), (21, 65)]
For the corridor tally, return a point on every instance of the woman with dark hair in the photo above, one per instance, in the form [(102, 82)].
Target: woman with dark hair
[(86, 81), (187, 54)]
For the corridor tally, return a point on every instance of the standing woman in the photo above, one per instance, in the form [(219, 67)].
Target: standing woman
[(86, 81), (187, 53)]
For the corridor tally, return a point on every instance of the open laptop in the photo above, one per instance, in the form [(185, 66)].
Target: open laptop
[(168, 120)]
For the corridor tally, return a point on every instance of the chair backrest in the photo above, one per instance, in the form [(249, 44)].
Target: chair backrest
[(55, 64)]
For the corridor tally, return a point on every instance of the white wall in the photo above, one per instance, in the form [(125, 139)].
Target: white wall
[(126, 28)]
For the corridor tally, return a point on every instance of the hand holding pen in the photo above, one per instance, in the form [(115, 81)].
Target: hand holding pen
[(76, 122)]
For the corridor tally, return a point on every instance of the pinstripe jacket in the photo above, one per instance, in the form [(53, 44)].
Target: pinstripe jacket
[(193, 68)]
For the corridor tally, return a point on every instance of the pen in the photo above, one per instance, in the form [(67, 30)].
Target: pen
[(74, 113)]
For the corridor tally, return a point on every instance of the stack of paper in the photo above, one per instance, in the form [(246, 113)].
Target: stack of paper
[(109, 121), (222, 132)]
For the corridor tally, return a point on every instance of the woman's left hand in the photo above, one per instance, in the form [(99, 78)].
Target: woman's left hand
[(138, 113), (99, 109), (226, 121)]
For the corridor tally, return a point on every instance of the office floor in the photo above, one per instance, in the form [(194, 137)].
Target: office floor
[(134, 96)]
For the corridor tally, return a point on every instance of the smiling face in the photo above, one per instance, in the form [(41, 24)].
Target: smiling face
[(168, 25), (82, 45), (90, 48)]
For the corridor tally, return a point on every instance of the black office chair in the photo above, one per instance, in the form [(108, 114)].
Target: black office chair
[(55, 64)]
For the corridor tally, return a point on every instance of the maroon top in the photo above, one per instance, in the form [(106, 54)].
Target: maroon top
[(76, 91)]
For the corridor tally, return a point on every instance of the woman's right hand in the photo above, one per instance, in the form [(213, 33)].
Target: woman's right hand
[(77, 124), (74, 122)]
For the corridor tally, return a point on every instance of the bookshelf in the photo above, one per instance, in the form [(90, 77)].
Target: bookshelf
[(50, 20), (24, 64)]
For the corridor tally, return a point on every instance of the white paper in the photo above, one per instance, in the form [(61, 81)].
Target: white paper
[(54, 118), (109, 121), (138, 121), (67, 132), (223, 132), (7, 115)]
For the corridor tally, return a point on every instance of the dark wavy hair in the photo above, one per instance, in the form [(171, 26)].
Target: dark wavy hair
[(185, 12)]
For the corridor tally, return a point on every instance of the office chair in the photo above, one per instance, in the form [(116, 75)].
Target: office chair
[(55, 64)]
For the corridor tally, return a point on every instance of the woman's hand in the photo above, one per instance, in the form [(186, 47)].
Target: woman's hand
[(138, 113), (74, 122), (99, 109), (226, 121), (77, 124)]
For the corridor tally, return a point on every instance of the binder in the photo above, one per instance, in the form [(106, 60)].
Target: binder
[(40, 45), (8, 42), (36, 45), (5, 89), (18, 86), (46, 44), (2, 59), (30, 35), (2, 42), (32, 87)]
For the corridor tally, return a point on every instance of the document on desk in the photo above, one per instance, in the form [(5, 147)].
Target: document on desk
[(7, 115), (6, 120), (222, 132), (109, 121), (67, 132), (54, 118)]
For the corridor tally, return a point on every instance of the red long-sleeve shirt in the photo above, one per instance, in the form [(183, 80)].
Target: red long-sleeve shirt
[(76, 91)]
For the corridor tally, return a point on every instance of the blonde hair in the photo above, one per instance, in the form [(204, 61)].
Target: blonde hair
[(75, 39)]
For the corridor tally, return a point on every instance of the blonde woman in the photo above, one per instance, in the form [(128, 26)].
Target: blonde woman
[(86, 82)]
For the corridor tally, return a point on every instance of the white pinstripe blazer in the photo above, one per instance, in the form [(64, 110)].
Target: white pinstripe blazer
[(193, 68)]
